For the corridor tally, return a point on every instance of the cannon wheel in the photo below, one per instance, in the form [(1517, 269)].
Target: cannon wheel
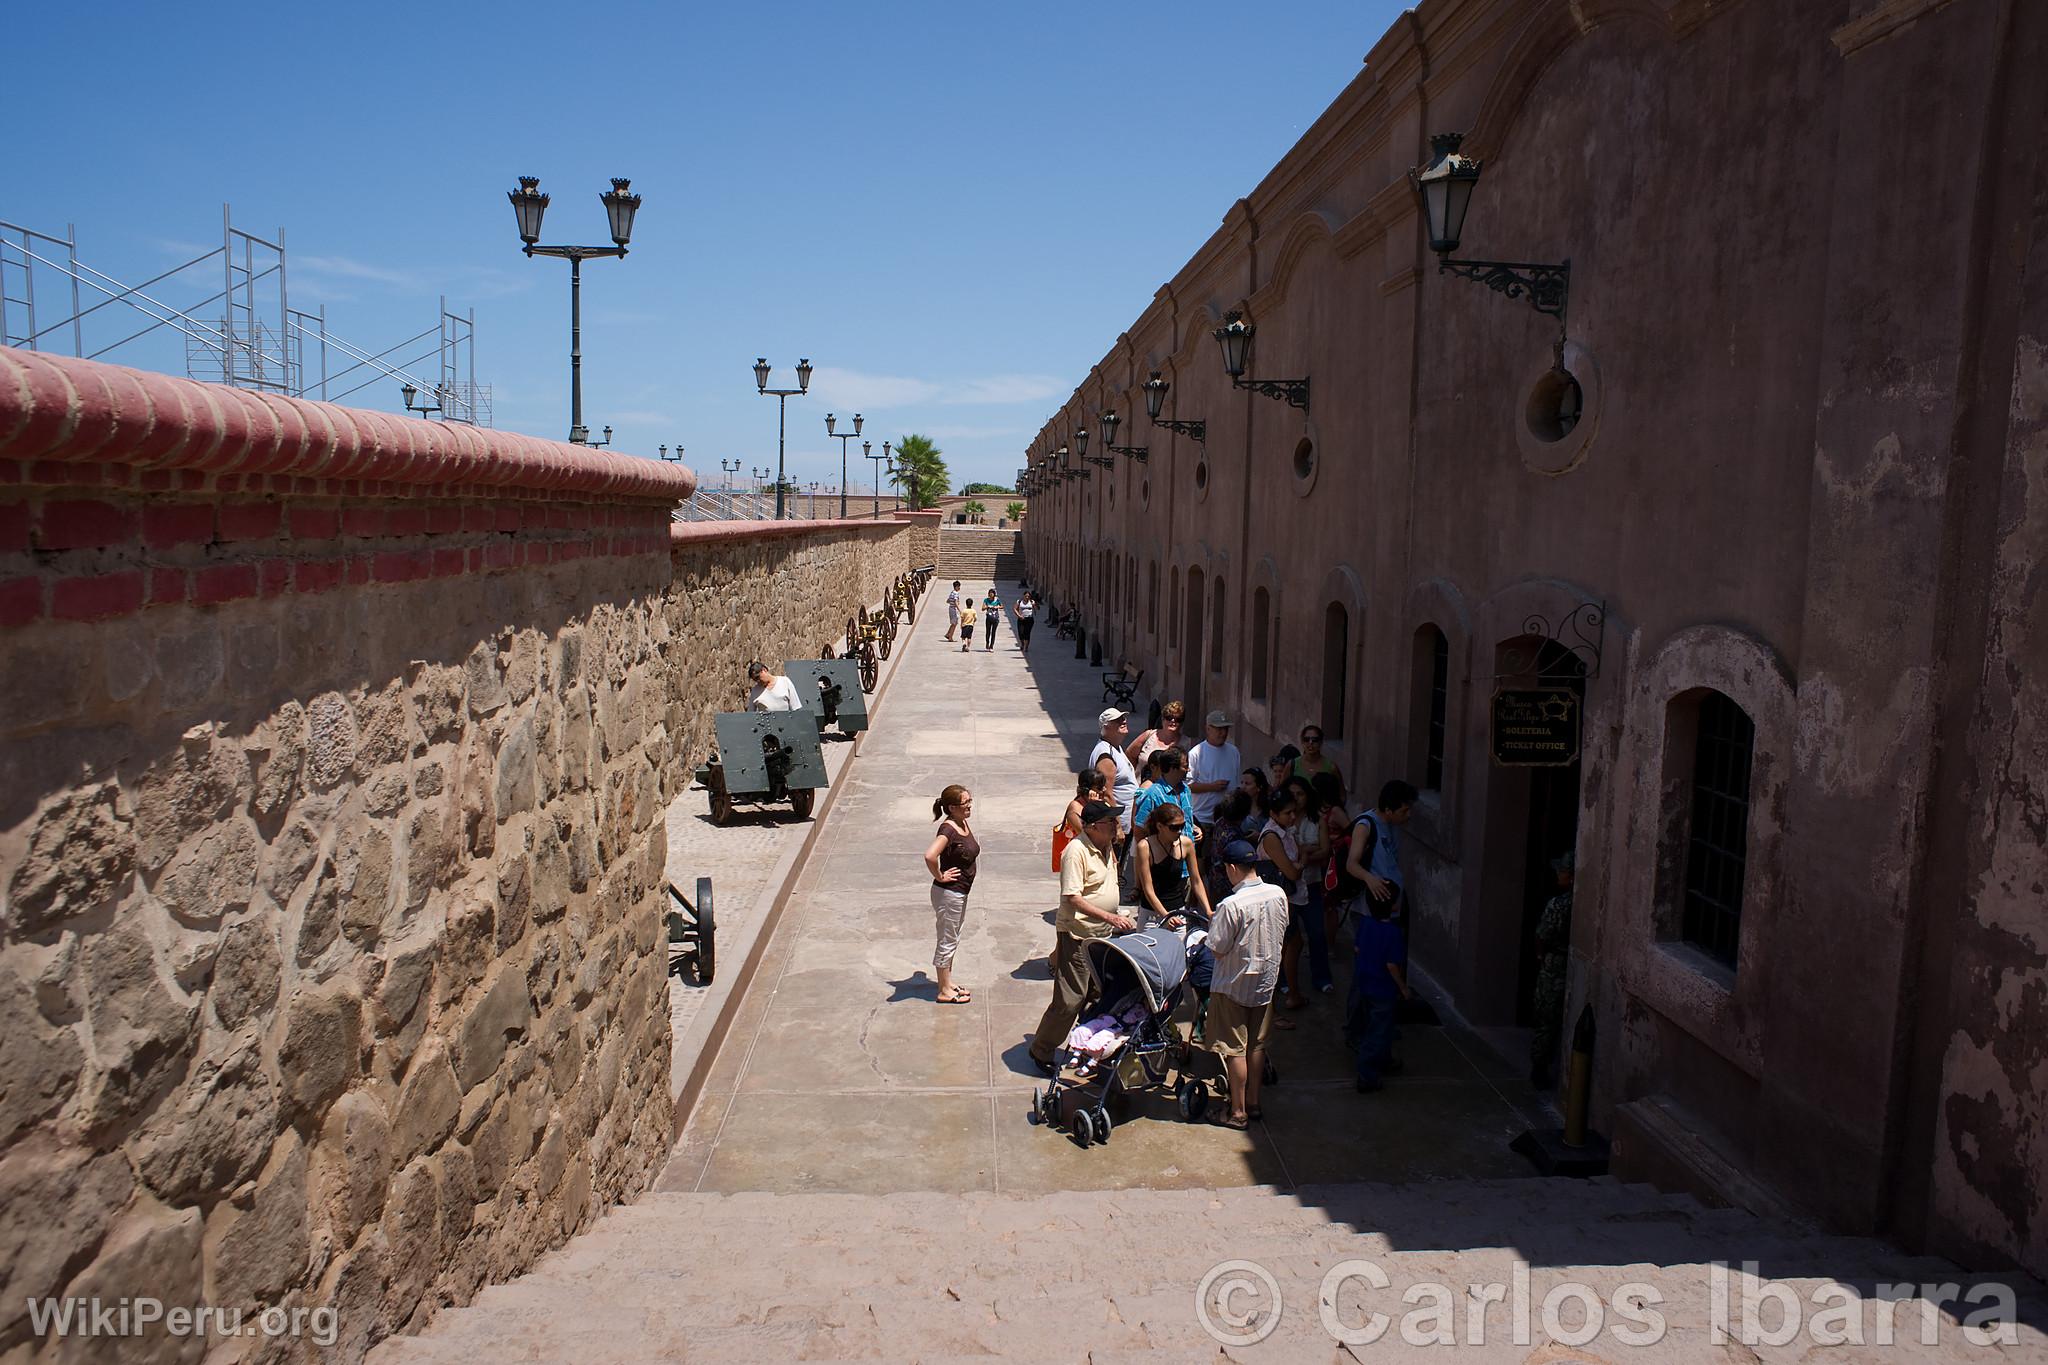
[(721, 799), (868, 667), (802, 800), (707, 937)]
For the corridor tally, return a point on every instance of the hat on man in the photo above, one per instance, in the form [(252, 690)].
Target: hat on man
[(1095, 812), (1110, 715), (1219, 719), (1240, 853)]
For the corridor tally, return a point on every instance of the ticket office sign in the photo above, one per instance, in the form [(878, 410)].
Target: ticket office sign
[(1535, 727)]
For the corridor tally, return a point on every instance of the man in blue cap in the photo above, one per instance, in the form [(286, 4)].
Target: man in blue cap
[(1246, 934)]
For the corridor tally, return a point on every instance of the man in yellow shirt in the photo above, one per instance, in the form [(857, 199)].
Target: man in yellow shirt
[(1088, 909)]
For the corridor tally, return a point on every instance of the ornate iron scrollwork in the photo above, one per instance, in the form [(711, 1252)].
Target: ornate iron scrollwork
[(1580, 633), (1544, 286)]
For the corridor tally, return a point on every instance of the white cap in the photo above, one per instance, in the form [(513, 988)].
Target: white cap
[(1109, 715)]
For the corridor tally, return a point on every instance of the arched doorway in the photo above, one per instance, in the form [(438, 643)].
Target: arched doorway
[(1191, 652), (1532, 817)]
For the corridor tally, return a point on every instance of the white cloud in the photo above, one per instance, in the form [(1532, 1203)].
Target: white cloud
[(851, 388)]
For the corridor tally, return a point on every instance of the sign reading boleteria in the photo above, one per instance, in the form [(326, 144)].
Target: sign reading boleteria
[(1535, 727)]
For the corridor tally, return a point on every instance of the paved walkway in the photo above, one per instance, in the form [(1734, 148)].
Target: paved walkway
[(840, 1073)]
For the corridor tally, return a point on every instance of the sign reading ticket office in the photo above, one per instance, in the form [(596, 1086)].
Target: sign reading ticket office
[(1535, 727)]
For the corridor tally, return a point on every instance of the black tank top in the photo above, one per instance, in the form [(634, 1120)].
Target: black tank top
[(1170, 881)]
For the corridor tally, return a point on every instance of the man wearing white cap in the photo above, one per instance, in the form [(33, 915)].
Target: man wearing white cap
[(1108, 757), (1213, 765)]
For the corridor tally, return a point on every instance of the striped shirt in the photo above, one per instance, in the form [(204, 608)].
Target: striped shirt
[(1245, 935)]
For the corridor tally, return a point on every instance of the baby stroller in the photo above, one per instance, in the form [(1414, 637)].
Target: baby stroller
[(1139, 980)]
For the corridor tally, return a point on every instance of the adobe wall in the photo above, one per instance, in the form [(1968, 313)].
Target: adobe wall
[(337, 752), (1792, 465)]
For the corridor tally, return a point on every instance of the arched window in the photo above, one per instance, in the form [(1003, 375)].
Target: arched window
[(1717, 826), (1336, 653), (1262, 612), (1152, 598), (1216, 628), (1432, 686), (1173, 607)]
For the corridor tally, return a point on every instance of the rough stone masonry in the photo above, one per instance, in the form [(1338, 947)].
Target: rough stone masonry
[(336, 750)]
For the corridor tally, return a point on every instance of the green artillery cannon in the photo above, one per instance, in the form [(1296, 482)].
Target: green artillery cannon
[(764, 757), (831, 692)]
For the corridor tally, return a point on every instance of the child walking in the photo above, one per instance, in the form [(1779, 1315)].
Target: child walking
[(967, 623)]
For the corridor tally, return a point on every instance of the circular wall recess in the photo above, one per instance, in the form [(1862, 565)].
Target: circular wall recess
[(1558, 416), (1201, 475), (1144, 492)]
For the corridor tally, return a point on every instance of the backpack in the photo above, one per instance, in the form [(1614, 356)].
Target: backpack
[(1340, 880)]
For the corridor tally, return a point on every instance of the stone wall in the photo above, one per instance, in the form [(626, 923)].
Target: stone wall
[(771, 591), (924, 537), (337, 751)]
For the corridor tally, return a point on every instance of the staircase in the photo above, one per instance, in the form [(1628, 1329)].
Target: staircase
[(1105, 1276), (980, 554)]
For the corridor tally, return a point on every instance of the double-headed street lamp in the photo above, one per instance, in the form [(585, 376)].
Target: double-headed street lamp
[(782, 396), (867, 450), (760, 481), (620, 204), (831, 429)]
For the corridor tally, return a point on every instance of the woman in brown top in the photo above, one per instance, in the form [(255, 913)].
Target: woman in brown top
[(950, 860)]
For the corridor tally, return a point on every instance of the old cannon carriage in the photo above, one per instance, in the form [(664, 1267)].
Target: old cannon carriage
[(831, 689), (763, 758)]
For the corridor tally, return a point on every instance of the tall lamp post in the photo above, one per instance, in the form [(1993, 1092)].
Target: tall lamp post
[(831, 423), (782, 396), (620, 204), (867, 450), (760, 482)]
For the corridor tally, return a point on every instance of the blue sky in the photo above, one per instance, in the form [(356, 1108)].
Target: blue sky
[(951, 209)]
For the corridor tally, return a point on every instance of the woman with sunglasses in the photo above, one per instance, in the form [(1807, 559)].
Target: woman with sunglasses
[(1312, 762), (1168, 735), (1165, 860)]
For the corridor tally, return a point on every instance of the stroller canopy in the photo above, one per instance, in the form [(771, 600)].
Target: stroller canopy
[(1151, 964)]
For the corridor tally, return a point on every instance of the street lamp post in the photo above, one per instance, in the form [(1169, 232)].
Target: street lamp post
[(831, 424), (760, 483), (620, 204), (782, 397), (867, 450)]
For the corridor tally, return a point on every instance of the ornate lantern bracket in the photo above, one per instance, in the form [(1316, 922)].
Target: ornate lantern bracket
[(1580, 632)]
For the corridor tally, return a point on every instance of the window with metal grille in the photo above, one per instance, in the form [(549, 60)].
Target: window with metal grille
[(1439, 695), (1718, 836)]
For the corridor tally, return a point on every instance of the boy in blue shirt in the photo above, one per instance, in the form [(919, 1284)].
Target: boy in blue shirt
[(1379, 978)]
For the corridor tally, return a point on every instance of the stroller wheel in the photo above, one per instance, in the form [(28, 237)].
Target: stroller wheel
[(1037, 1105), (1194, 1100), (1083, 1127), (1102, 1124)]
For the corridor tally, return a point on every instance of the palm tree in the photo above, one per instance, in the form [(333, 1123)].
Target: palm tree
[(920, 473), (1015, 511)]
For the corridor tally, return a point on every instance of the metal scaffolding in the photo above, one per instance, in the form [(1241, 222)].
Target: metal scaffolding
[(256, 340)]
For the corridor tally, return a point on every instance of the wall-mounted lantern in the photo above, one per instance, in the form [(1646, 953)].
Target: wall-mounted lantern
[(1235, 336), (1445, 189), (1155, 402), (1109, 421)]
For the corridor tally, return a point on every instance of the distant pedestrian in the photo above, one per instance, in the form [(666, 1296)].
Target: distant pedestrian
[(1024, 608), (953, 610), (991, 617), (1088, 909), (1379, 979), (967, 623), (1245, 934), (950, 859)]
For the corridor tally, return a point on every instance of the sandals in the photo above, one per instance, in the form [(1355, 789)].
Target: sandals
[(1281, 1021), (960, 996), (1235, 1125)]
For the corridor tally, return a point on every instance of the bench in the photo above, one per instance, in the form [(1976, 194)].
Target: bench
[(1121, 687)]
